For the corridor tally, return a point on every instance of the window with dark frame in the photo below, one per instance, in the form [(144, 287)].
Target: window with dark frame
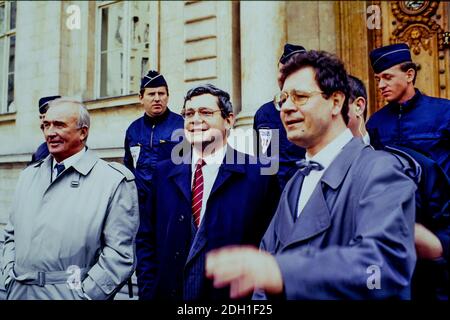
[(123, 43), (7, 55)]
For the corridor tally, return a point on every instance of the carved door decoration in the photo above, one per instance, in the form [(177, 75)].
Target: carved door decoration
[(424, 26)]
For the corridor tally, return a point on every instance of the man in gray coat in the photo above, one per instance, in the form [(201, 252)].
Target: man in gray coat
[(74, 218), (344, 227)]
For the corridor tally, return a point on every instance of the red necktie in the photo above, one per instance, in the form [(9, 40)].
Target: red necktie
[(197, 191)]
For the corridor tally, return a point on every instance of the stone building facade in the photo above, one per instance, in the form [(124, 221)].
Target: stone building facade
[(98, 50)]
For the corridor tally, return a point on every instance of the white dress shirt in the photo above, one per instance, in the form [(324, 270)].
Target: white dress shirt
[(209, 170), (67, 162), (366, 138), (324, 157)]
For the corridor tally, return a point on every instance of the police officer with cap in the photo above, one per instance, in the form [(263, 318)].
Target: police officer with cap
[(267, 119), (148, 139), (419, 126), (410, 118), (42, 150)]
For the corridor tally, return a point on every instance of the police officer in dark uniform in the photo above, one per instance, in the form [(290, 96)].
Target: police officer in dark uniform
[(148, 139), (432, 229), (266, 119), (410, 118), (42, 151)]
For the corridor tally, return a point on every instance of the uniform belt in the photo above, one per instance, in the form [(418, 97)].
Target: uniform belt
[(41, 278)]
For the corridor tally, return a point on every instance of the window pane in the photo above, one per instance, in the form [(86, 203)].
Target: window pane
[(12, 58), (12, 53), (2, 72), (2, 18), (111, 56), (139, 42), (12, 16), (111, 79), (10, 93)]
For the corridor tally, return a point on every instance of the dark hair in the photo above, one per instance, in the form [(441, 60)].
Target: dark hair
[(357, 89), (330, 74), (223, 97), (405, 66), (142, 90)]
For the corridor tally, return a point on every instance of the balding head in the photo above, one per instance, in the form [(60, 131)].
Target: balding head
[(66, 128)]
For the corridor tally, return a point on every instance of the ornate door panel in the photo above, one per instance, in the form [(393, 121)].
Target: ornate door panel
[(421, 24)]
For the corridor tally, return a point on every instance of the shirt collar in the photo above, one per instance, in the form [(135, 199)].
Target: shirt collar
[(215, 159), (366, 138), (70, 161), (331, 150)]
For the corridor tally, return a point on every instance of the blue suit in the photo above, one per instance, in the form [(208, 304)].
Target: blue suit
[(267, 117), (422, 124), (171, 251), (358, 223), (152, 136)]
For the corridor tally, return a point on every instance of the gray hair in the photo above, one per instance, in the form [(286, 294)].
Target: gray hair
[(84, 119)]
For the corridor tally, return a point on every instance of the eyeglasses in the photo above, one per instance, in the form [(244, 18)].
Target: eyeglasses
[(202, 113), (299, 98)]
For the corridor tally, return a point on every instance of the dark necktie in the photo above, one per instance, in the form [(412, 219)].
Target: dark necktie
[(59, 168), (305, 166), (197, 192)]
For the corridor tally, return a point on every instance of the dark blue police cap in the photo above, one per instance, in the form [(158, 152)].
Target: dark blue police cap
[(43, 103), (153, 79), (289, 50), (388, 56)]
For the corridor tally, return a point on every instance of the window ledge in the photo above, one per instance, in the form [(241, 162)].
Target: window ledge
[(8, 117), (112, 102)]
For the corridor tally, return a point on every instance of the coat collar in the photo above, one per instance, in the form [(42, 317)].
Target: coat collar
[(86, 162), (315, 217), (182, 177), (83, 165), (336, 172)]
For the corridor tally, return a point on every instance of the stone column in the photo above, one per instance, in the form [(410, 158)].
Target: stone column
[(263, 34)]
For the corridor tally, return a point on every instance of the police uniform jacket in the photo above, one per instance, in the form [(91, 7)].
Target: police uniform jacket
[(422, 124), (148, 141)]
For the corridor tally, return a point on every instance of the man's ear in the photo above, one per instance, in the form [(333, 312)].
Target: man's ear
[(410, 74), (84, 133), (338, 99), (361, 105), (229, 121)]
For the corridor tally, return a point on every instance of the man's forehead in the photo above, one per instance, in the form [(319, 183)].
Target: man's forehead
[(391, 70), (62, 111), (156, 89), (203, 100), (302, 79)]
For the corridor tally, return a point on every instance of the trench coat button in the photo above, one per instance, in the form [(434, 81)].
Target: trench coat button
[(181, 218)]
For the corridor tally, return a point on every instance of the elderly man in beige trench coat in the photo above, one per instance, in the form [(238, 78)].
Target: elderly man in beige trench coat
[(74, 218)]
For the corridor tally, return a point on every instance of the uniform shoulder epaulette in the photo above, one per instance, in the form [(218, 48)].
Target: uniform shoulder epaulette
[(129, 176)]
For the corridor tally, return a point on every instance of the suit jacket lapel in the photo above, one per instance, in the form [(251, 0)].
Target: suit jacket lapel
[(316, 217), (198, 243), (229, 166), (288, 208), (226, 170)]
